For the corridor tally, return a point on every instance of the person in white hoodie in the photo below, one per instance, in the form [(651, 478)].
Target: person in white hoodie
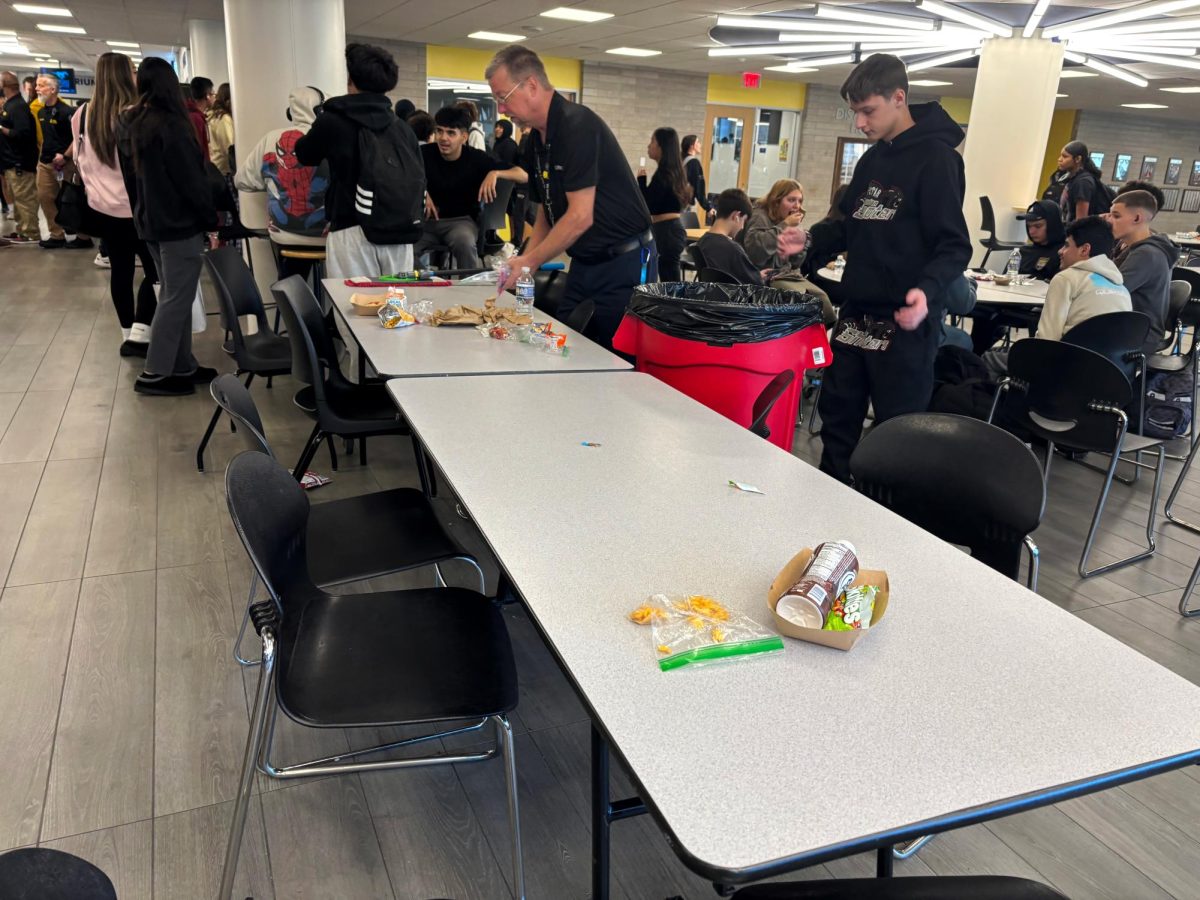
[(296, 193), (1088, 284)]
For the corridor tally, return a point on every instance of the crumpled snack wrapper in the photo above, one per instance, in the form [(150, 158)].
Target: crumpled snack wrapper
[(469, 315)]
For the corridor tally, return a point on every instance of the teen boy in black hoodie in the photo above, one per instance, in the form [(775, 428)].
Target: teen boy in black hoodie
[(906, 242)]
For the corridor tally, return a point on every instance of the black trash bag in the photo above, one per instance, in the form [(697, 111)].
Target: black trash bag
[(723, 314)]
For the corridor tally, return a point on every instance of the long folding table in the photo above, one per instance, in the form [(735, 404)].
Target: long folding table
[(456, 349), (987, 292), (973, 699)]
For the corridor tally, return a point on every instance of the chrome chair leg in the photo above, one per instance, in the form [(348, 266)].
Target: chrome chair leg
[(266, 680), (1084, 572), (237, 647), (911, 847), (504, 738), (1034, 560), (1168, 510), (1187, 594)]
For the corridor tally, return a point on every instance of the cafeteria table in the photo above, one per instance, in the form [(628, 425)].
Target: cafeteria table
[(694, 234), (459, 349), (973, 699), (987, 292)]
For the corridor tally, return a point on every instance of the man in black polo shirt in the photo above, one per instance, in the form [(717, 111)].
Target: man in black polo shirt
[(457, 179), (18, 159), (55, 119), (591, 207)]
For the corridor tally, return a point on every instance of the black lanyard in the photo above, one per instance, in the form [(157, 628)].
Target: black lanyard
[(543, 177)]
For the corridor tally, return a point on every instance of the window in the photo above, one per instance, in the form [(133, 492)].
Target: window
[(849, 151)]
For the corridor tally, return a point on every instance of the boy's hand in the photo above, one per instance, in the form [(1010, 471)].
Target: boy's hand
[(915, 310)]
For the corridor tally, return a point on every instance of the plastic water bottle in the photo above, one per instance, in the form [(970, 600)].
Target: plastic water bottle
[(525, 293), (1014, 264)]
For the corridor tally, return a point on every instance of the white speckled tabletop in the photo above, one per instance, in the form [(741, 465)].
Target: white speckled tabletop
[(458, 349), (971, 692)]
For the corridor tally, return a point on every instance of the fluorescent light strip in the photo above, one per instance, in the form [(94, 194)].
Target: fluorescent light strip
[(581, 15), (31, 10), (920, 40), (1111, 47), (1179, 62), (782, 49), (1195, 89), (816, 62), (929, 82), (1188, 39), (1155, 26), (1035, 18), (73, 29), (1145, 106), (1106, 68), (1129, 14), (489, 36), (123, 44), (903, 52), (845, 14), (983, 23), (633, 51), (790, 68), (945, 60)]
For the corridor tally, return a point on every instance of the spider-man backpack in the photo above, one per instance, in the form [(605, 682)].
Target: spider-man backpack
[(296, 193)]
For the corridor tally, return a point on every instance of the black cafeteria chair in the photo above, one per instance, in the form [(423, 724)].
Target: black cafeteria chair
[(715, 276), (340, 407), (689, 219), (949, 887), (1075, 398), (434, 657), (353, 538), (1183, 311), (987, 223), (263, 353), (548, 288), (39, 873), (581, 316), (766, 400), (688, 261), (492, 217)]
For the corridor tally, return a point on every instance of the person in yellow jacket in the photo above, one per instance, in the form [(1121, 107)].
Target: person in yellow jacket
[(220, 130)]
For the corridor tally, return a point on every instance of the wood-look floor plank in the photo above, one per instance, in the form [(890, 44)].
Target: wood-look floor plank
[(35, 636), (1166, 653), (41, 326), (323, 844), (125, 526), (61, 362), (18, 485), (30, 434), (1174, 796), (975, 851), (54, 544), (200, 718), (102, 771), (84, 427), (19, 365), (124, 853), (8, 409), (191, 510), (189, 850)]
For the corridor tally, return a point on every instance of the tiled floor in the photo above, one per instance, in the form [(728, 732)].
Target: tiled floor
[(122, 715)]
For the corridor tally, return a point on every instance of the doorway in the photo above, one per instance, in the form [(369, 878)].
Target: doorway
[(727, 163), (849, 151)]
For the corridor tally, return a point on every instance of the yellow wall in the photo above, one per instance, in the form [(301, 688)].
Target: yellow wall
[(958, 108), (770, 93), (467, 64), (1062, 131)]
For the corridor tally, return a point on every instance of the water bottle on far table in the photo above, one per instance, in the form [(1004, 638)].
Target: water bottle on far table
[(1014, 264), (525, 293)]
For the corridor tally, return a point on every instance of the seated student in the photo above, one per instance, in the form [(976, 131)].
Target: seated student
[(1145, 261), (1152, 189), (719, 247), (458, 178), (1039, 259), (1089, 284)]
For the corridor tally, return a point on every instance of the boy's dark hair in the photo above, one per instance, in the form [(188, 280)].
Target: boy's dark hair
[(453, 117), (879, 73), (372, 69), (29, 79), (1092, 230), (201, 87), (733, 200), (405, 108), (421, 123), (1141, 187), (505, 126)]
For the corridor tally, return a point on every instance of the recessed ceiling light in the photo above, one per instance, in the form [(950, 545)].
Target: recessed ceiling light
[(122, 44), (496, 36), (1072, 73), (63, 29), (576, 15), (927, 82), (1062, 95), (1145, 106), (31, 10), (633, 51), (1182, 90)]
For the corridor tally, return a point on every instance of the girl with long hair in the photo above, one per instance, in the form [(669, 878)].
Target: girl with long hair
[(666, 194), (163, 168), (94, 128), (693, 169), (220, 130), (1082, 192), (780, 210)]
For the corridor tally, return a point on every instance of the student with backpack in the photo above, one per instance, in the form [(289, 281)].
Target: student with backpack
[(376, 196), (1083, 190)]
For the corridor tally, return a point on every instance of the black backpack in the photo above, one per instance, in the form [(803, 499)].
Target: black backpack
[(390, 195), (1168, 404)]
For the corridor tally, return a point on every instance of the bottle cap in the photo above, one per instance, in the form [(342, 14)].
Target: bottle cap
[(524, 270)]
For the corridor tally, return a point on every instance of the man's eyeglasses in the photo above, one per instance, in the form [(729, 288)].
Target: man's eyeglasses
[(504, 99)]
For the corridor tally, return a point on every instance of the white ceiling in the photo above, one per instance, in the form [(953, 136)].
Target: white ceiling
[(679, 28)]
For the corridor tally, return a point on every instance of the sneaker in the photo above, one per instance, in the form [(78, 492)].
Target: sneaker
[(227, 346), (17, 240), (164, 385), (52, 243), (134, 348), (101, 262), (202, 375), (80, 244)]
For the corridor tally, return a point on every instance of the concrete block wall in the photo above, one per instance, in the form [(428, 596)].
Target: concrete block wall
[(410, 60), (826, 118), (1113, 133), (634, 101)]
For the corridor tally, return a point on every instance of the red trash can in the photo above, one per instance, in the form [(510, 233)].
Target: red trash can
[(722, 344)]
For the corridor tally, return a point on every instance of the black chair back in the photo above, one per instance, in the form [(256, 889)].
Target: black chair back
[(987, 217), (231, 395), (765, 402), (581, 316), (237, 292), (697, 256), (1191, 276), (270, 512), (715, 276), (306, 365), (689, 219), (1065, 394), (548, 288), (917, 466), (1118, 336), (492, 216)]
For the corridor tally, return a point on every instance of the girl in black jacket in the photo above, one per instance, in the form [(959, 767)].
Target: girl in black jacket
[(164, 172)]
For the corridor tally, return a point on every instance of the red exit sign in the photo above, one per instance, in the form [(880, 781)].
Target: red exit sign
[(751, 79)]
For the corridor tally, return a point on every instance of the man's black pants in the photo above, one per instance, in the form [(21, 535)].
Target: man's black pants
[(896, 381), (610, 284)]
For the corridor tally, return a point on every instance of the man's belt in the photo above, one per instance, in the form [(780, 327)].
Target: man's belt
[(642, 240)]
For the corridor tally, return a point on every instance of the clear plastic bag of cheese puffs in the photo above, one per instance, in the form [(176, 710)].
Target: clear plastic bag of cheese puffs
[(694, 629)]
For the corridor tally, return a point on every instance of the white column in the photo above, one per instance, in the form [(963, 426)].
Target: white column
[(265, 63), (206, 50), (1006, 138)]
